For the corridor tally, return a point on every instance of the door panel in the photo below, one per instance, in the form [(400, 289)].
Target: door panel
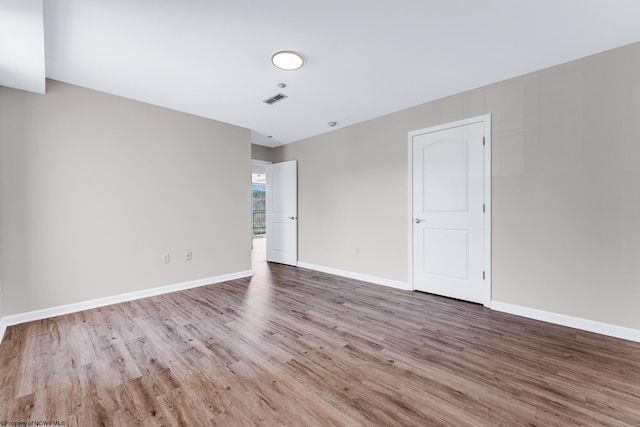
[(445, 163), (448, 212), (446, 253), (282, 213)]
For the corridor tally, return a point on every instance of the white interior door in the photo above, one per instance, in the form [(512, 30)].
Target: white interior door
[(449, 208), (282, 212)]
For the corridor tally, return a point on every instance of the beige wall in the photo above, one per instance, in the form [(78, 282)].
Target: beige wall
[(260, 152), (95, 188), (566, 193)]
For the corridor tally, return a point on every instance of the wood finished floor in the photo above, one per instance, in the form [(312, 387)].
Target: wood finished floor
[(300, 348)]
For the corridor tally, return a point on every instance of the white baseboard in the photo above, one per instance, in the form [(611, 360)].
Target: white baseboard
[(46, 313), (573, 322), (357, 276), (531, 313)]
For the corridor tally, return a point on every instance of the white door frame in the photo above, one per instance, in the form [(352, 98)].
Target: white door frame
[(486, 120), (260, 162)]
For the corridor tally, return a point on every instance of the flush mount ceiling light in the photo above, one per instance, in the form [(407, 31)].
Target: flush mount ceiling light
[(287, 60)]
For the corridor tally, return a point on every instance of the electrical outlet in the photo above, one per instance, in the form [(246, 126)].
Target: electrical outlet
[(166, 259), (188, 256)]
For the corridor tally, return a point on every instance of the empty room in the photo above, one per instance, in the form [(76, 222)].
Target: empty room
[(310, 213)]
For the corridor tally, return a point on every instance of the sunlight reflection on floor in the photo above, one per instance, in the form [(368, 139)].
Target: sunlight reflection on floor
[(259, 292)]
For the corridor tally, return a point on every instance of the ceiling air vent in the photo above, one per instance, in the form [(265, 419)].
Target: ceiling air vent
[(275, 98)]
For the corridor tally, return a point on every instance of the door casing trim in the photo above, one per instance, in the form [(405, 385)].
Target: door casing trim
[(486, 120)]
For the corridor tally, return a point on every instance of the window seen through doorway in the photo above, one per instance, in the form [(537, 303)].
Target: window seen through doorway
[(259, 210)]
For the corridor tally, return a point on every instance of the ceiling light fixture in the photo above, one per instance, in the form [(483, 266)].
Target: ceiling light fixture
[(287, 60)]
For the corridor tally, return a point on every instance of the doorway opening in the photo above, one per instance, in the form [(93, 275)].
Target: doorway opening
[(258, 210), (275, 210)]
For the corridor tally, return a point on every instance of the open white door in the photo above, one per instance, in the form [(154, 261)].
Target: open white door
[(450, 221), (282, 213)]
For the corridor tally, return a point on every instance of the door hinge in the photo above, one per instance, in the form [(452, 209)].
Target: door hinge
[(484, 142), (483, 208), (483, 275)]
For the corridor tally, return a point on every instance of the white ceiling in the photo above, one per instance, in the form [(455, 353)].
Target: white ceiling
[(364, 58)]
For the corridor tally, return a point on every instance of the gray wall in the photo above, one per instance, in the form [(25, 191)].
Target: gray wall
[(95, 188), (566, 193)]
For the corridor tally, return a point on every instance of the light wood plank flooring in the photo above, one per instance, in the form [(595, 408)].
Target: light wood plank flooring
[(293, 347)]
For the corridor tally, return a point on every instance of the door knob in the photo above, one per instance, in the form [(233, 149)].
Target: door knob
[(291, 217), (419, 220)]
